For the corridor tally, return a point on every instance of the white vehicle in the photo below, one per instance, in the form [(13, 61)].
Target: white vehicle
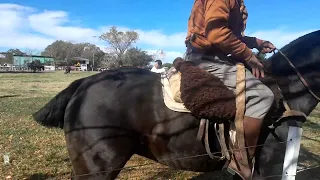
[(83, 67)]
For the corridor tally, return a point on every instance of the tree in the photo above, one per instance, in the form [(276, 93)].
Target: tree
[(168, 65), (119, 41), (136, 57), (108, 61), (9, 56), (93, 53), (16, 52), (58, 50), (64, 50), (6, 58), (28, 53), (159, 54)]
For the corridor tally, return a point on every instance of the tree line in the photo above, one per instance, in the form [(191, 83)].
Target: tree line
[(121, 51)]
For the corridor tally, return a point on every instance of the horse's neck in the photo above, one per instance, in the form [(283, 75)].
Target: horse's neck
[(295, 93)]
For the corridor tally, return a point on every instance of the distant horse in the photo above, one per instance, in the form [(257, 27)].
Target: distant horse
[(110, 116), (67, 70), (35, 65)]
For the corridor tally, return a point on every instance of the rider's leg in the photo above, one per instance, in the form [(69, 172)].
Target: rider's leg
[(259, 97)]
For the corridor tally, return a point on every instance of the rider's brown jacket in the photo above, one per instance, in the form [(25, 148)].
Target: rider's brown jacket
[(219, 24)]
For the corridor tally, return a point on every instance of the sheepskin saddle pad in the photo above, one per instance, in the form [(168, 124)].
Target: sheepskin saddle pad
[(187, 88)]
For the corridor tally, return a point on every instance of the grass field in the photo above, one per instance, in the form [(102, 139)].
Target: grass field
[(37, 152)]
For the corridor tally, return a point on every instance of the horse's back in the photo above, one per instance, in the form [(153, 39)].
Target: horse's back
[(127, 104), (115, 97)]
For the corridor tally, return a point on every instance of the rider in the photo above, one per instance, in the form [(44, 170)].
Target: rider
[(215, 30)]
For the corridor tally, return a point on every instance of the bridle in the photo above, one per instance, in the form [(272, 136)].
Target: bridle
[(289, 111), (304, 82)]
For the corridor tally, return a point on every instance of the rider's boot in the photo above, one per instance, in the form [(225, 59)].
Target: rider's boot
[(251, 128)]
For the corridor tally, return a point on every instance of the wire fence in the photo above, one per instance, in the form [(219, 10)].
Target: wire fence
[(144, 166), (171, 171)]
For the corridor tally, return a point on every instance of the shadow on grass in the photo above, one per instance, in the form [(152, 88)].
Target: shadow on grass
[(223, 175), (40, 176), (13, 95), (311, 174), (164, 174), (172, 174), (313, 161), (311, 139)]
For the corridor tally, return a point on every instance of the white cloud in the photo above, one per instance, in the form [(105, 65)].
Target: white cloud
[(12, 17), (26, 27), (279, 37), (168, 56), (158, 39), (51, 23), (24, 40)]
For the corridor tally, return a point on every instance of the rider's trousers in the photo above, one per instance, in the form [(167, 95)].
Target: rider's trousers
[(259, 97)]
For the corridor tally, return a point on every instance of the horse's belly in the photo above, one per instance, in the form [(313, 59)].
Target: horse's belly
[(183, 152)]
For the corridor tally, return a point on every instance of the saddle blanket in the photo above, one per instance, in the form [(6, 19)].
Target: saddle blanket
[(168, 97), (171, 96)]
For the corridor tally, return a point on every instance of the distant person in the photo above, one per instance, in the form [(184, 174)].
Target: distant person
[(157, 67), (120, 63)]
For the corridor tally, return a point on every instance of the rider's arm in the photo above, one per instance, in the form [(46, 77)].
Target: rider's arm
[(219, 34), (251, 42)]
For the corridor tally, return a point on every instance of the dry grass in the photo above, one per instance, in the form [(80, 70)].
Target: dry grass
[(37, 152)]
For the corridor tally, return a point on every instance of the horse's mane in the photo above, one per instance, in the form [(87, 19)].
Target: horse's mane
[(294, 50), (305, 41)]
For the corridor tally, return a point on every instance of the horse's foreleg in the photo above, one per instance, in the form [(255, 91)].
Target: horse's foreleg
[(98, 159)]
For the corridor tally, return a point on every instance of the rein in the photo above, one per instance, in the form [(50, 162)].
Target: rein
[(304, 82), (289, 111)]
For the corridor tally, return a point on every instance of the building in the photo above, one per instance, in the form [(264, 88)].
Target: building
[(20, 61), (81, 63), (3, 55)]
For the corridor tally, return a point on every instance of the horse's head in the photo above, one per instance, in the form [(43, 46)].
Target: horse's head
[(304, 53)]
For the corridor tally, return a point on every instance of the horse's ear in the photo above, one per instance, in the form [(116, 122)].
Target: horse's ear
[(177, 63)]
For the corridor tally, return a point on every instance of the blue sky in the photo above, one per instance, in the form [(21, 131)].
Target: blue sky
[(34, 24)]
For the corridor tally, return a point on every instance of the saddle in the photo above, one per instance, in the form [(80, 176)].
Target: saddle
[(219, 105), (190, 89)]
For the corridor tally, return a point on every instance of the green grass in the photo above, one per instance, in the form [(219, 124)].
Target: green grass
[(37, 152)]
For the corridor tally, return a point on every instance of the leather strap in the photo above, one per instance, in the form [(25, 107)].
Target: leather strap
[(201, 129), (206, 140), (241, 105), (207, 145), (223, 144)]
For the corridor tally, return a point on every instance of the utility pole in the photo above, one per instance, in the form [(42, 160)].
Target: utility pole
[(92, 60), (93, 56)]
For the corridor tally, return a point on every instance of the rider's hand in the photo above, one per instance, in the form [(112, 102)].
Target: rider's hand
[(265, 46), (256, 66)]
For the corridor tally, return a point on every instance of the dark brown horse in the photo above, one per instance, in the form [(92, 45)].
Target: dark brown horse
[(110, 116), (67, 70), (35, 65)]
